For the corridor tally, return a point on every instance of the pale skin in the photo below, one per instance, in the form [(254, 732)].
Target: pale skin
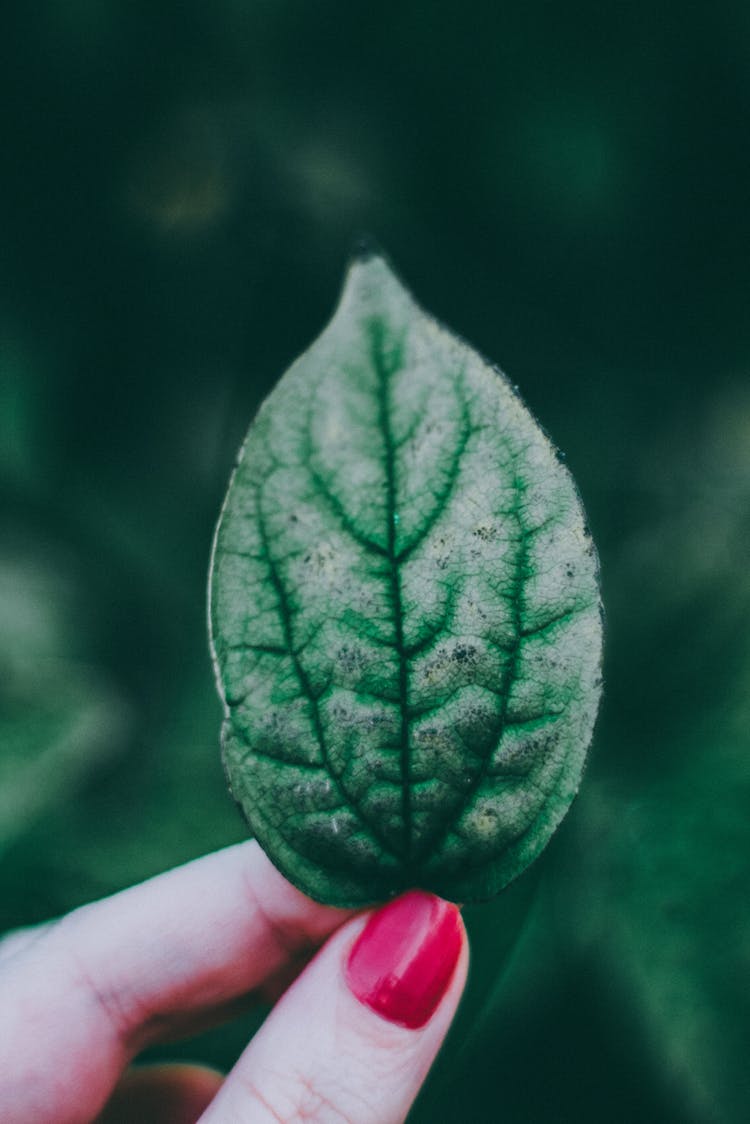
[(84, 995)]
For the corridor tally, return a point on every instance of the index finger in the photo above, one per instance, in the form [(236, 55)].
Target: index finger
[(83, 998)]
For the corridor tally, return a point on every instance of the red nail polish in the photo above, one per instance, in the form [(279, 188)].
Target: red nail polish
[(403, 960)]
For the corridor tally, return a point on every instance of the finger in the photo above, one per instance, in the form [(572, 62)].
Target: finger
[(354, 1037), (83, 998), (162, 1094), (16, 940)]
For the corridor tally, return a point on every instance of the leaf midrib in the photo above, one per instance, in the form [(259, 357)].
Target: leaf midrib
[(383, 372)]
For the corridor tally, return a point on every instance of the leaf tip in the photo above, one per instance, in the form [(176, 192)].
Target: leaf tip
[(364, 248), (371, 286)]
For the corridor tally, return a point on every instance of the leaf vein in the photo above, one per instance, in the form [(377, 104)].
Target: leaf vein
[(285, 616)]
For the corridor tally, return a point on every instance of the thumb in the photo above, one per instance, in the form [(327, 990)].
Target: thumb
[(355, 1035)]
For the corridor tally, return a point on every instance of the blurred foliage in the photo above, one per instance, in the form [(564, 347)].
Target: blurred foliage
[(567, 187)]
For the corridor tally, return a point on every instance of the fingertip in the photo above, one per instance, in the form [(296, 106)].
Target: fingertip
[(359, 1029), (402, 963)]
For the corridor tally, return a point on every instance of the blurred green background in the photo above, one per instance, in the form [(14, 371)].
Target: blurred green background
[(566, 186)]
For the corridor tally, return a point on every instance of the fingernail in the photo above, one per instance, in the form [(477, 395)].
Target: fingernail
[(403, 960)]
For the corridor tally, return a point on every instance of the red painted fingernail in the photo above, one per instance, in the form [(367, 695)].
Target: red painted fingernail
[(403, 960)]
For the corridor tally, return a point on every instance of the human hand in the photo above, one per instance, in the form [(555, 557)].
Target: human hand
[(351, 1039)]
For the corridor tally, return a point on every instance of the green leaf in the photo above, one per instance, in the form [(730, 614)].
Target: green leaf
[(404, 613)]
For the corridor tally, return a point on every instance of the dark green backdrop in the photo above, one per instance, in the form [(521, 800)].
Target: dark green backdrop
[(567, 186)]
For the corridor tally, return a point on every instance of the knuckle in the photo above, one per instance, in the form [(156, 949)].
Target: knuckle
[(254, 1097), (295, 1099), (314, 1104)]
